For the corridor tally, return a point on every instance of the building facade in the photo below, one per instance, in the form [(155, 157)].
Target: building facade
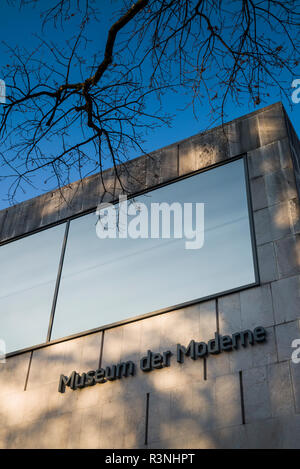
[(143, 328)]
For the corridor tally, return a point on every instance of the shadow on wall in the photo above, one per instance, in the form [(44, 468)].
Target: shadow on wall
[(197, 404), (172, 407)]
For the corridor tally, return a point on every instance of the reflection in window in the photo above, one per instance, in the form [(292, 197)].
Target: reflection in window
[(28, 274), (109, 280)]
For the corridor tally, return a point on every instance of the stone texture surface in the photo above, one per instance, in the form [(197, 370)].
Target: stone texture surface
[(286, 299), (285, 334), (267, 264), (203, 150), (272, 125), (200, 403), (243, 135), (269, 158), (288, 255), (162, 166), (258, 193)]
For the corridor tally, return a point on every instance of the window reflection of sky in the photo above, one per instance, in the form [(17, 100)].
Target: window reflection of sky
[(27, 280), (109, 280)]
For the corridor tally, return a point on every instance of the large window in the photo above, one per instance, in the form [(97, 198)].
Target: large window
[(109, 280), (105, 281), (27, 281)]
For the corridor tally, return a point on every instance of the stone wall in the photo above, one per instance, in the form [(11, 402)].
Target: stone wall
[(244, 399)]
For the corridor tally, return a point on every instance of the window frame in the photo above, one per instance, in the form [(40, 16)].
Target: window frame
[(67, 221)]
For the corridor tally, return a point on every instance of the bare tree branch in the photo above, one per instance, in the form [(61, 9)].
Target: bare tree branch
[(72, 111)]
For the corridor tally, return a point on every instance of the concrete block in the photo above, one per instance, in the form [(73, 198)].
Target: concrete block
[(230, 314), (286, 160), (264, 434), (131, 341), (17, 438), (182, 325), (30, 216), (106, 187), (269, 158), (13, 373), (42, 434), (187, 157), (256, 307), (71, 199), (218, 365), (164, 379), (241, 359), (290, 426), (162, 165), (111, 428), (208, 320), (258, 193), (285, 334), (11, 222), (73, 439), (50, 207), (254, 356), (5, 434), (231, 437), (280, 389), (3, 215), (90, 346), (280, 221), (83, 398), (159, 416), (203, 150), (271, 125), (12, 409), (267, 263), (112, 346), (280, 186), (295, 373), (191, 370), (228, 400), (242, 135), (169, 329), (265, 353), (262, 226), (58, 403), (288, 255), (94, 192), (294, 212), (90, 428), (181, 412), (151, 333), (135, 421), (203, 407), (36, 403), (53, 432), (188, 323), (165, 444), (113, 183), (257, 402), (286, 299), (206, 440), (132, 175)]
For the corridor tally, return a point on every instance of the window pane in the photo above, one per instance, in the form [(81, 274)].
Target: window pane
[(27, 280), (109, 280)]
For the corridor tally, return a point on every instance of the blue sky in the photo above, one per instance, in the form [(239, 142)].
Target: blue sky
[(19, 27)]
